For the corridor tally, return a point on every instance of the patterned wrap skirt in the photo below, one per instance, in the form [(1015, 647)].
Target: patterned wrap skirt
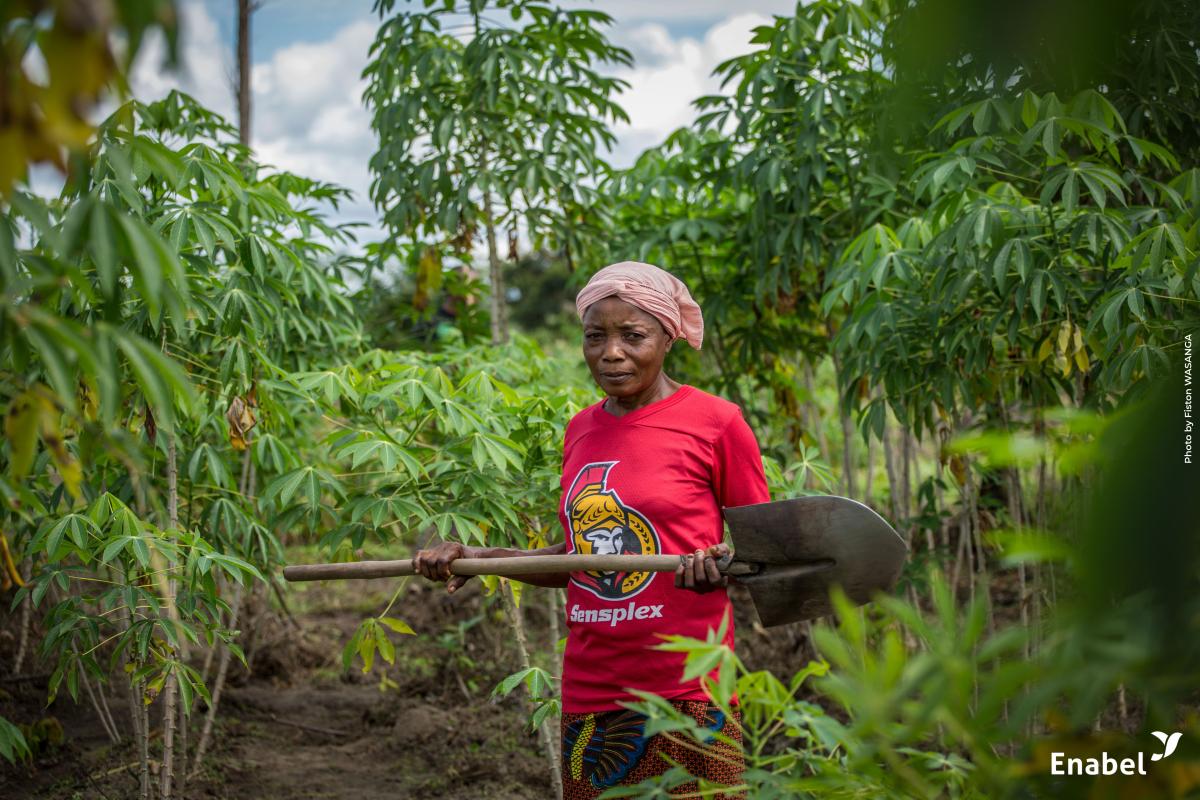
[(608, 748)]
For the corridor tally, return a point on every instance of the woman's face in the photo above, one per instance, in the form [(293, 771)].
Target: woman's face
[(624, 346)]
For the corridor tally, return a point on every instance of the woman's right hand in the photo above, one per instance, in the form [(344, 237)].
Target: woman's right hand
[(434, 563)]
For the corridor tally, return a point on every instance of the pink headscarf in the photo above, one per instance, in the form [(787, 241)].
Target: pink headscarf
[(651, 289)]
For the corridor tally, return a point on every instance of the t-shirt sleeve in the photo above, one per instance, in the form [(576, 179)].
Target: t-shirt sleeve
[(738, 475)]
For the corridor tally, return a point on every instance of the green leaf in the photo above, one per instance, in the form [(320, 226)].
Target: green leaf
[(505, 687), (396, 625), (162, 382), (1032, 548), (146, 261), (285, 486), (102, 246), (12, 742)]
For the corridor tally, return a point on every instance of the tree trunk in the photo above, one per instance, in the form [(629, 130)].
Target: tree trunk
[(243, 56), (26, 620), (218, 687), (112, 722), (246, 486), (889, 465), (849, 488), (105, 722), (555, 631), (1018, 513), (143, 712), (499, 310), (258, 604), (848, 485), (547, 739), (907, 457), (868, 481), (818, 428), (919, 448), (181, 752), (134, 701), (965, 551), (981, 569), (170, 687)]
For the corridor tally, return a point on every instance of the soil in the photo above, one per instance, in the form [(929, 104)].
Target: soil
[(298, 726)]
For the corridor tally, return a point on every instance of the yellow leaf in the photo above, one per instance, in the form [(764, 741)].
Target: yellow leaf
[(1064, 337), (536, 539), (12, 159), (398, 625), (1064, 366), (1081, 360), (10, 568), (516, 587), (1077, 339), (20, 428), (86, 400), (1046, 350), (241, 419), (52, 437), (959, 469)]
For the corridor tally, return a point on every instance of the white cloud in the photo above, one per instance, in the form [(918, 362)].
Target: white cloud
[(663, 87), (206, 64), (682, 10), (308, 115)]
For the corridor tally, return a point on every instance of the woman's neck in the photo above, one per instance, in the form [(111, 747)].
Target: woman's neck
[(662, 388)]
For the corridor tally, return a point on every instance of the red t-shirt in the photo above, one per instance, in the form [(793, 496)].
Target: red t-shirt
[(651, 481)]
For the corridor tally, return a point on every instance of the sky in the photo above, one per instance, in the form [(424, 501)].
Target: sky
[(308, 56)]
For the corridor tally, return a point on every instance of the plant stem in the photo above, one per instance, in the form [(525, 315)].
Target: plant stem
[(218, 687), (813, 412), (889, 466), (104, 721), (170, 688), (518, 628), (499, 315), (26, 620)]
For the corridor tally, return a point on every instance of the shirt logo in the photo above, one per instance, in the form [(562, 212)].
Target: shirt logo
[(601, 524), (615, 615)]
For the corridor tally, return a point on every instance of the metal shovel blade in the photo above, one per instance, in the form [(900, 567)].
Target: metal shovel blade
[(804, 546)]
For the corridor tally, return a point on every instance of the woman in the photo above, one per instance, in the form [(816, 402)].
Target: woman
[(646, 470)]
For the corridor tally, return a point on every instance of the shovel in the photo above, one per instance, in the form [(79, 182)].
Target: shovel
[(788, 553)]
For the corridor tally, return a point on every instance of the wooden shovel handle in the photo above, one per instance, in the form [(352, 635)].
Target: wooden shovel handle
[(511, 567)]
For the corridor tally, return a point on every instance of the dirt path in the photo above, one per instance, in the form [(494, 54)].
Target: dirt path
[(300, 727)]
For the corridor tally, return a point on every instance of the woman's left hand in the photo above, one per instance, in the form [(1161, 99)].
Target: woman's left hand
[(698, 572)]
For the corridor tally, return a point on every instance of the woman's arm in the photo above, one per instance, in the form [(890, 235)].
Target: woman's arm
[(434, 563)]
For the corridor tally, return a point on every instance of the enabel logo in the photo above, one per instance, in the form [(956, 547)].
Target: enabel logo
[(1169, 743), (1107, 765)]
